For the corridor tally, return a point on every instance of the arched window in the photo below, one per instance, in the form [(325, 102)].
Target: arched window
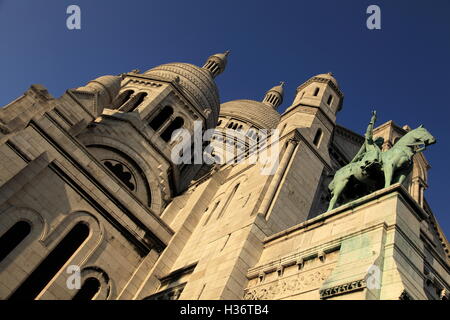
[(13, 237), (161, 118), (316, 92), (88, 290), (122, 98), (330, 99), (236, 187), (212, 212), (176, 124), (137, 181), (49, 267), (136, 101), (121, 172), (317, 137)]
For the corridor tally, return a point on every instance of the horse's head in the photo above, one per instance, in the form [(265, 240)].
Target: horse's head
[(422, 136)]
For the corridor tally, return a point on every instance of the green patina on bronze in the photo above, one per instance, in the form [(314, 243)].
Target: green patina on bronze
[(371, 169)]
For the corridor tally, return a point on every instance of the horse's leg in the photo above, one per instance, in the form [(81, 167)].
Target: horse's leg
[(332, 201), (401, 175), (336, 192), (388, 172)]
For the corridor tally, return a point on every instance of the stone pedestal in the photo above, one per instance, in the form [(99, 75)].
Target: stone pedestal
[(368, 249)]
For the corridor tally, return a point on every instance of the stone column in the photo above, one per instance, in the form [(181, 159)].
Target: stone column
[(276, 179)]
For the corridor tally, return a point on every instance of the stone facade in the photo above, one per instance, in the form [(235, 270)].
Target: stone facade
[(88, 181)]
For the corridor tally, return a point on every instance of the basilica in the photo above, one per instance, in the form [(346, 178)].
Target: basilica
[(93, 205)]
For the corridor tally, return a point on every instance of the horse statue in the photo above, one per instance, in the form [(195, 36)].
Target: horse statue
[(367, 170)]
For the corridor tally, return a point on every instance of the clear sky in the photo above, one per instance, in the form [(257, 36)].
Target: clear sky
[(401, 70)]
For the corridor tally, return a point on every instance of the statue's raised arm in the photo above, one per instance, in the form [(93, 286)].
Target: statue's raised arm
[(369, 131), (368, 139)]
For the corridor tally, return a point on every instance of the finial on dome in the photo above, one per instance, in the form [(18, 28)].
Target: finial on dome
[(216, 63), (274, 97)]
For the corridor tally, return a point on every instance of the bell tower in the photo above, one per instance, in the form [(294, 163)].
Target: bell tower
[(321, 91)]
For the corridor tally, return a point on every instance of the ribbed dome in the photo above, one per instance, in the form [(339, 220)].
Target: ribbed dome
[(196, 83), (258, 113)]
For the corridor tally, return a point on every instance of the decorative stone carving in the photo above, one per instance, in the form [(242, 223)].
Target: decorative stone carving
[(288, 286), (207, 112), (343, 289), (300, 262), (121, 172), (321, 255)]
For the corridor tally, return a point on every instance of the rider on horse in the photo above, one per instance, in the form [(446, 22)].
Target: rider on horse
[(370, 152), (366, 172)]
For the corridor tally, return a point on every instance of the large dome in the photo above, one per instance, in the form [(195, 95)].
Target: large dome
[(258, 113), (197, 83)]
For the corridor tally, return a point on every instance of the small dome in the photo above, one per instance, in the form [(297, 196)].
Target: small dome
[(274, 97), (328, 76), (259, 114), (223, 57), (216, 63), (279, 88), (107, 87), (195, 82)]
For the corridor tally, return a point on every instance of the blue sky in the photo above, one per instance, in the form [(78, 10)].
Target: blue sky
[(401, 70)]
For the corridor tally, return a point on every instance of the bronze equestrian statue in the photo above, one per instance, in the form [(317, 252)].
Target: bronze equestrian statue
[(370, 165)]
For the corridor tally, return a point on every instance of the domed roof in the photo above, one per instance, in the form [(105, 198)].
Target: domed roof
[(197, 83), (278, 88), (216, 63), (222, 56), (110, 83), (328, 76), (107, 87), (258, 113)]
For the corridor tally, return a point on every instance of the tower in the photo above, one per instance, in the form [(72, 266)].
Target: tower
[(218, 222), (216, 63), (321, 91), (151, 107), (274, 97)]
